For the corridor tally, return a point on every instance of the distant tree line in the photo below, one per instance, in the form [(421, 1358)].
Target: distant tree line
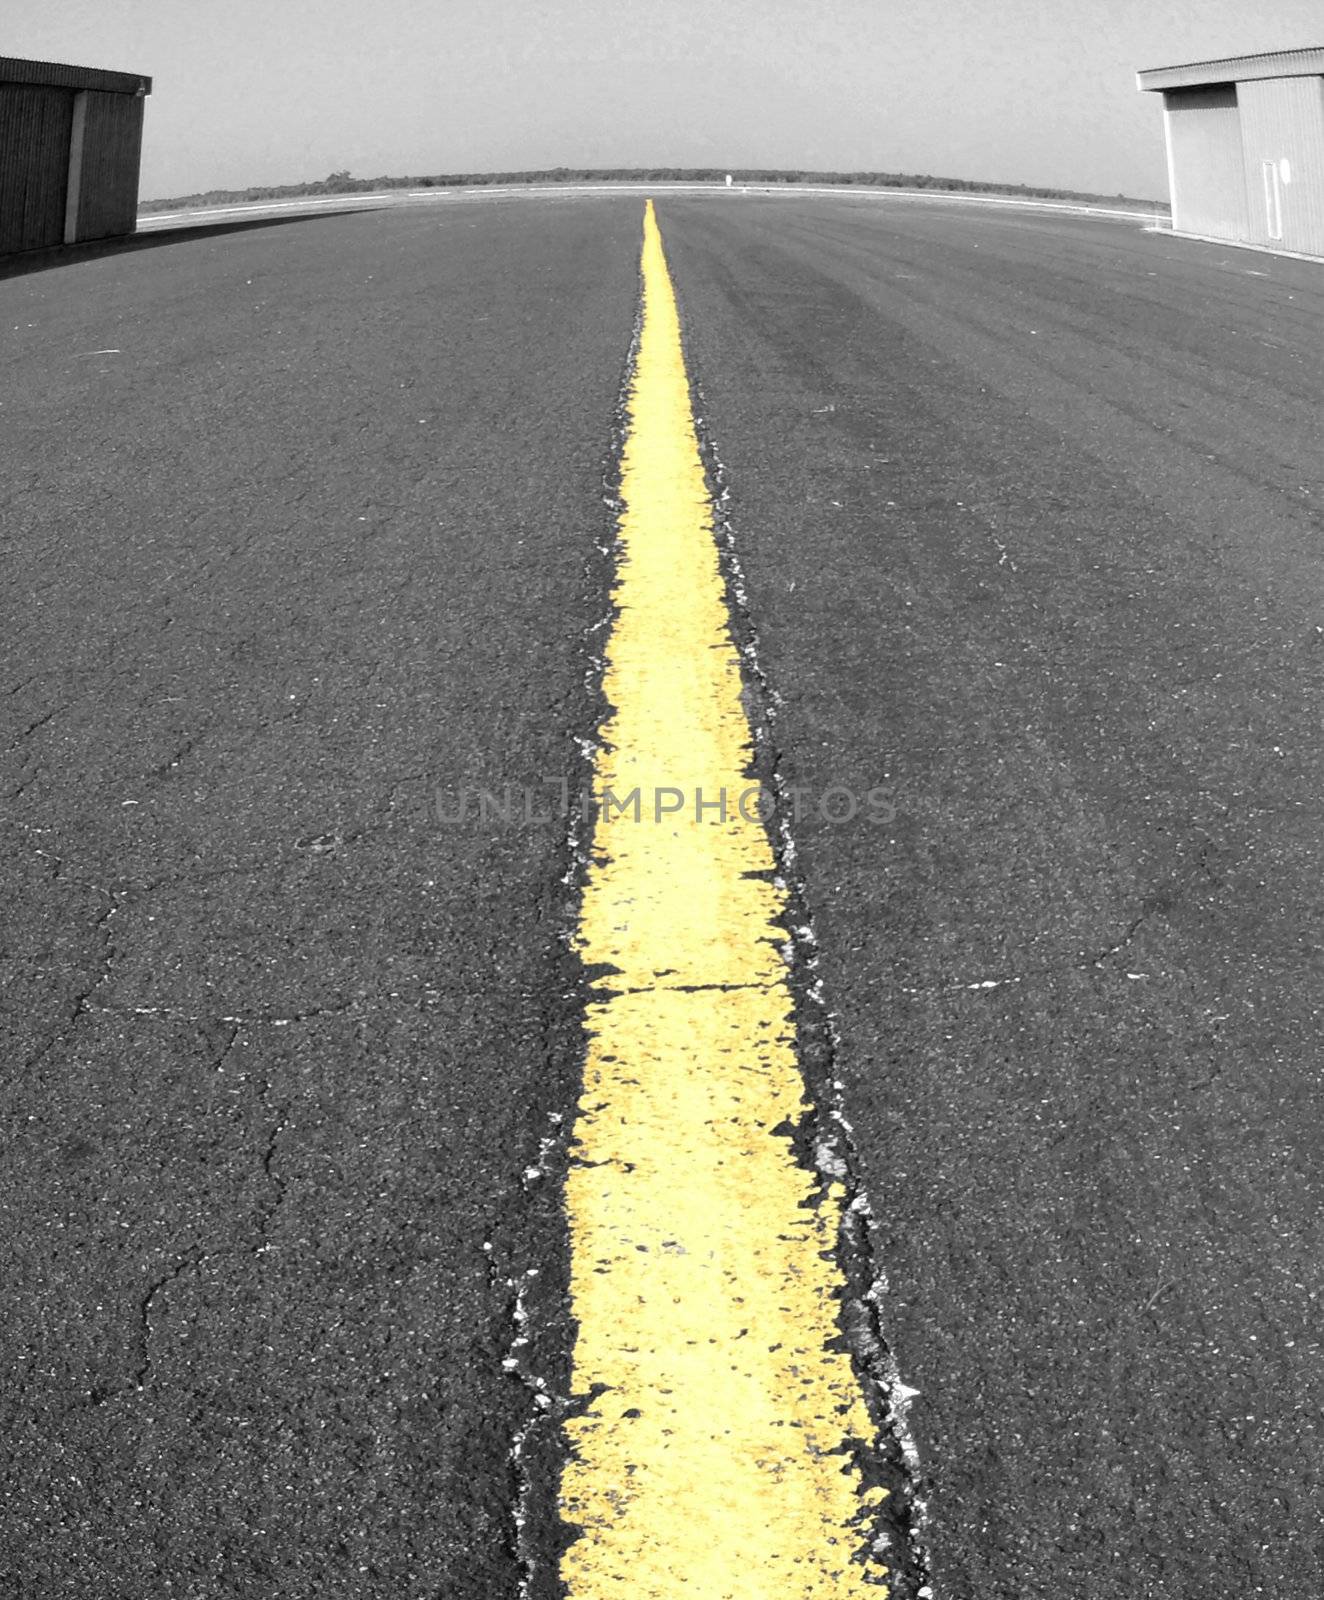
[(342, 183)]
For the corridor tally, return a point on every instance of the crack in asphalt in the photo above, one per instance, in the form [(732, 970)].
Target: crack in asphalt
[(32, 727), (824, 1139), (83, 1004), (340, 1008), (607, 993), (80, 1005), (1085, 960), (535, 1299), (197, 1257)]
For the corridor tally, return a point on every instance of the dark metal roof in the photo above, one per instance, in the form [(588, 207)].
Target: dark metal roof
[(1235, 69), (56, 75)]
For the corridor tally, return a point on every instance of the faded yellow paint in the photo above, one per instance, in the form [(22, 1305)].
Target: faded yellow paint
[(714, 1460)]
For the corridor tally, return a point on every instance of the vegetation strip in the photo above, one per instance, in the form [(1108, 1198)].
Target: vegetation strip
[(341, 183)]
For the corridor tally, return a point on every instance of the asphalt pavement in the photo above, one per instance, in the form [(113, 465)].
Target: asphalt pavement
[(312, 553), (306, 530)]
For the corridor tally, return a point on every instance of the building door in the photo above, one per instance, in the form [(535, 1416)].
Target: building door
[(35, 122), (1273, 198), (1207, 168)]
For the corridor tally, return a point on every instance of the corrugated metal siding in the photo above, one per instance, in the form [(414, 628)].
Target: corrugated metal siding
[(1283, 119), (34, 165), (1205, 160), (112, 146), (56, 74), (1234, 69)]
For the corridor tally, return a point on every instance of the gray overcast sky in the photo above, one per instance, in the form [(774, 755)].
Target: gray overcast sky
[(1026, 91)]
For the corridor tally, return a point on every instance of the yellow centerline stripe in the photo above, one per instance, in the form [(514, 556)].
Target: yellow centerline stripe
[(716, 1457)]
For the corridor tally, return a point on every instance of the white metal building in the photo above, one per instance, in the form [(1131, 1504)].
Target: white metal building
[(1246, 148)]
